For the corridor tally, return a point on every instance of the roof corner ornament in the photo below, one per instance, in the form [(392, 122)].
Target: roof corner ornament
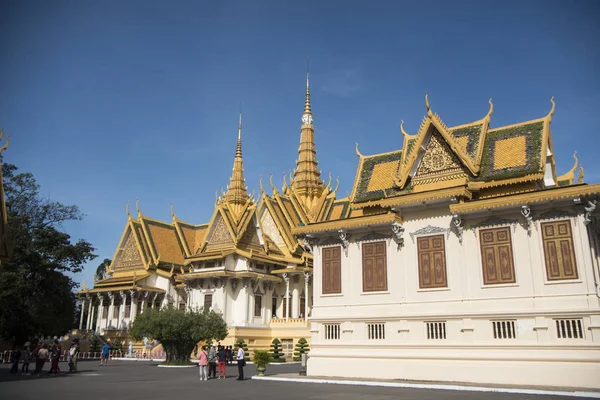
[(127, 209), (398, 231), (491, 110), (580, 176), (429, 113), (271, 182), (173, 212), (458, 226), (137, 206), (329, 183), (284, 182), (357, 151), (551, 113), (402, 128), (307, 245), (589, 209), (260, 185), (344, 237), (526, 213), (337, 184)]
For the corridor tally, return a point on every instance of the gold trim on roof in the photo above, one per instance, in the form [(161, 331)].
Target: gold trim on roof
[(417, 198), (352, 222), (526, 198)]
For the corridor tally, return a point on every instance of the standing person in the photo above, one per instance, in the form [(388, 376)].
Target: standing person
[(26, 357), (203, 363), (55, 357), (105, 354), (212, 361), (42, 358), (222, 356), (76, 356), (16, 357), (241, 362), (230, 354), (36, 358), (71, 356)]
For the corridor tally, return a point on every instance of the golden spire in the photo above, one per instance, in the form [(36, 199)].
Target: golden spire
[(307, 183), (236, 191)]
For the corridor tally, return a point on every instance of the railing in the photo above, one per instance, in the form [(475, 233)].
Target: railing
[(7, 356), (290, 321)]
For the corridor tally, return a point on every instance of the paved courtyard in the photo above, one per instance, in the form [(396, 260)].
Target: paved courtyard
[(126, 380)]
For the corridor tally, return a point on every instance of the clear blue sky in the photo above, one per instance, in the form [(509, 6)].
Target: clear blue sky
[(107, 101)]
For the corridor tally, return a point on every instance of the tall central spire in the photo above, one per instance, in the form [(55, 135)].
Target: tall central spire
[(307, 183), (237, 195)]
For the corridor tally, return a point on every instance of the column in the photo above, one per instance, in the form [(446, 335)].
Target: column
[(286, 278), (93, 315), (121, 320), (100, 312), (223, 302), (88, 325), (133, 313), (295, 299), (306, 294), (142, 302), (82, 301), (246, 302), (111, 309)]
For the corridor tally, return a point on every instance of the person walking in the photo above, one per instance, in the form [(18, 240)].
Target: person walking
[(42, 358), (16, 357), (229, 355), (203, 363), (55, 357), (222, 357), (25, 357), (105, 354), (241, 362), (212, 362)]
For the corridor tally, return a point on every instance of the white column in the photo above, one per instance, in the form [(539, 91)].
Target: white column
[(133, 313), (93, 315), (111, 309), (295, 302), (223, 301), (122, 310), (143, 302), (286, 278), (88, 325), (246, 299), (100, 312), (82, 301), (306, 294)]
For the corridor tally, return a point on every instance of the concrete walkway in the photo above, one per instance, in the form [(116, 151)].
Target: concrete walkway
[(467, 387)]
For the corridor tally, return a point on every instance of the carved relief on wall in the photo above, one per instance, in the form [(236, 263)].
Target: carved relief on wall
[(129, 256), (438, 158), (220, 235), (269, 227)]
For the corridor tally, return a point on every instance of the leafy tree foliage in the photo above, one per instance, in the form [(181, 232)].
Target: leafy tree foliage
[(178, 330), (94, 345), (36, 294), (301, 348), (277, 355), (101, 269), (117, 345)]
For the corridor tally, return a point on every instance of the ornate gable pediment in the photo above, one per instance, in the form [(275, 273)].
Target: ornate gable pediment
[(128, 255), (437, 160), (219, 235)]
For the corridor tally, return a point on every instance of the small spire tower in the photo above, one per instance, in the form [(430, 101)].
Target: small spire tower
[(237, 195)]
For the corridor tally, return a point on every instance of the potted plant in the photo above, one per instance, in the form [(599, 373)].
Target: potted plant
[(261, 358)]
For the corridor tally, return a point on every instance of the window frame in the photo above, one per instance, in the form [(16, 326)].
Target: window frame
[(259, 304), (481, 257), (547, 279), (374, 244), (332, 291), (207, 296), (434, 287)]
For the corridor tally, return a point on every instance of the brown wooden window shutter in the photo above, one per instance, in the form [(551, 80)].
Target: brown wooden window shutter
[(332, 271), (497, 256), (432, 262), (559, 251), (374, 267)]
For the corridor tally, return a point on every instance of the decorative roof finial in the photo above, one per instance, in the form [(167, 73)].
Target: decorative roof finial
[(402, 128), (271, 182), (238, 150), (307, 115), (7, 140), (173, 212), (337, 184), (127, 209), (260, 185), (357, 151), (137, 206), (429, 113), (551, 113), (329, 183), (491, 111), (284, 182), (237, 193), (580, 177)]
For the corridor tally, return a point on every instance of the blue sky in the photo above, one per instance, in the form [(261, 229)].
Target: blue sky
[(108, 101)]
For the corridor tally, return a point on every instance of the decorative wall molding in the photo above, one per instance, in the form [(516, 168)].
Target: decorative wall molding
[(429, 230), (372, 236), (495, 221), (554, 214)]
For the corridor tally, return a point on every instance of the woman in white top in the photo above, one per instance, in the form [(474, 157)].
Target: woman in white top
[(241, 362)]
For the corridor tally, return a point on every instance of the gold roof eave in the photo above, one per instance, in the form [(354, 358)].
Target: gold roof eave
[(356, 222), (291, 270), (542, 196), (226, 274), (249, 255), (417, 198), (119, 288)]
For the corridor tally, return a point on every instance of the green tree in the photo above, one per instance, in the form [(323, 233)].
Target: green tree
[(94, 345), (277, 355), (244, 346), (101, 269), (301, 348), (178, 330), (118, 345), (36, 291)]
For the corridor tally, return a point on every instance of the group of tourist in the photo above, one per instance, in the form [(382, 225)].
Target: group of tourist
[(42, 354), (213, 359)]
